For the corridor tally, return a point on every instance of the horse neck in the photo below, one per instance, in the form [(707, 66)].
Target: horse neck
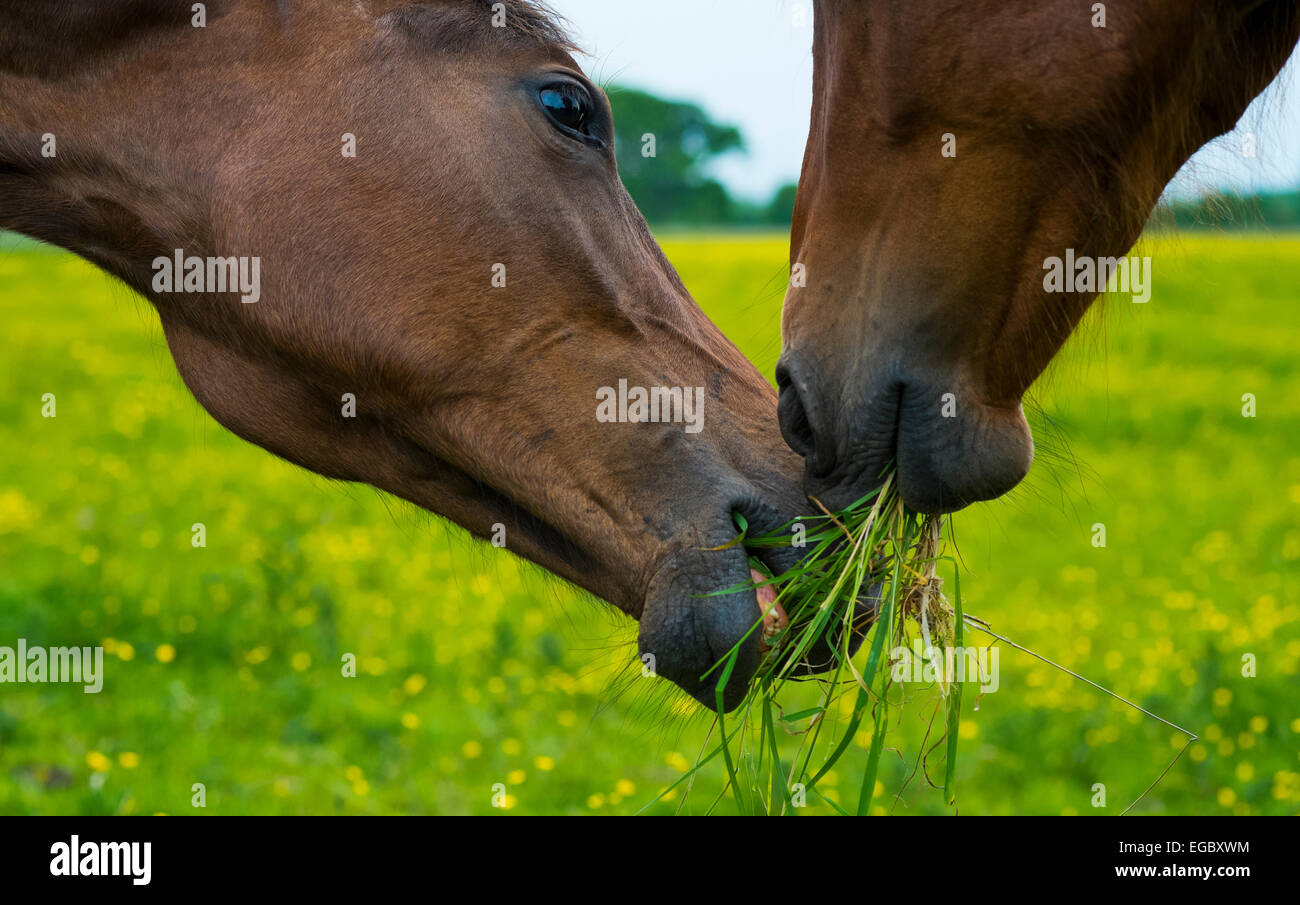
[(84, 162), (1238, 48)]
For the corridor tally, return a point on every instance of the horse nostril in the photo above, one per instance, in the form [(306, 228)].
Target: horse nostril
[(792, 416)]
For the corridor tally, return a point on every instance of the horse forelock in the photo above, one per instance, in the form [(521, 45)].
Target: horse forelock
[(58, 37), (467, 24)]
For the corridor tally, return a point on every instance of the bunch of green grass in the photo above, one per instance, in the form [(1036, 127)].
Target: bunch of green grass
[(876, 542)]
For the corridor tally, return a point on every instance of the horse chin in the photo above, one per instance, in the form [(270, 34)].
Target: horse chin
[(946, 466), (688, 628)]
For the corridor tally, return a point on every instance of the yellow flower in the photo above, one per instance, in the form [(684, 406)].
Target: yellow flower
[(595, 801), (1286, 784), (129, 759), (98, 762), (414, 684), (1227, 797), (301, 661), (16, 513), (410, 721), (125, 651), (515, 777), (165, 653), (967, 730), (625, 787), (354, 774), (511, 746), (471, 749), (544, 763)]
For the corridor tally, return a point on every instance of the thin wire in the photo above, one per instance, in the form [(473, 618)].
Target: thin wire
[(983, 626), (1185, 746)]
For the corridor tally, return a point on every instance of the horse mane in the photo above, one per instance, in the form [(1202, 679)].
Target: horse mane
[(1255, 41)]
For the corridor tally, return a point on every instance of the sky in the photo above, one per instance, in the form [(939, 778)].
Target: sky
[(749, 63)]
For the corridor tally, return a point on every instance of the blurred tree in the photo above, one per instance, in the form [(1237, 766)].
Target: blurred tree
[(1226, 210), (664, 148), (781, 208)]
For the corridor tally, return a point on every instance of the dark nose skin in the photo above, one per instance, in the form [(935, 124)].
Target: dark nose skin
[(950, 448), (845, 450), (795, 409)]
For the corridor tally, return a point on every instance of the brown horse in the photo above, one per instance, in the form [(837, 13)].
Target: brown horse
[(448, 271), (957, 147)]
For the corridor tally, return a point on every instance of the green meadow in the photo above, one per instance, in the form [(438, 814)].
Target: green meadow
[(480, 678)]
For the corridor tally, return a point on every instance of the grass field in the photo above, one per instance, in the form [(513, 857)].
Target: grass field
[(223, 662)]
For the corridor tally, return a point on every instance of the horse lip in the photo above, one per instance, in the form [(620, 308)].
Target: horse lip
[(689, 628), (778, 560)]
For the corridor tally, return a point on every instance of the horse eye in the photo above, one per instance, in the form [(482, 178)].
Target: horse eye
[(566, 105)]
